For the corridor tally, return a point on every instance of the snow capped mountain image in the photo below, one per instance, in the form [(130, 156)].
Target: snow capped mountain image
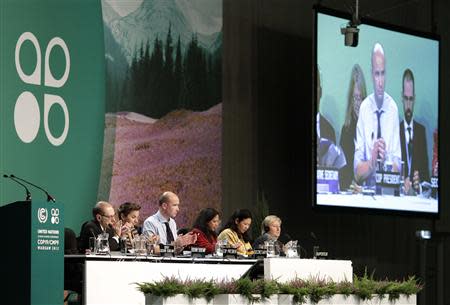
[(109, 14), (152, 19)]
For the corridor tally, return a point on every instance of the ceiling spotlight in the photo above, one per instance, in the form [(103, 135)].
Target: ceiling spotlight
[(351, 35), (351, 31)]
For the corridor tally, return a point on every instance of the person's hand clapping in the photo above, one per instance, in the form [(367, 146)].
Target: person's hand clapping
[(117, 226), (186, 239)]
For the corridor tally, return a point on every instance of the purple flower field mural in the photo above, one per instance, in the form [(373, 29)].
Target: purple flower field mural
[(179, 152)]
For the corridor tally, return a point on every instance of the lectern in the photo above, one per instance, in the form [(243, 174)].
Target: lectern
[(32, 253)]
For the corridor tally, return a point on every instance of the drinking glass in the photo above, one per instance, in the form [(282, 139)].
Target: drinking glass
[(92, 245)]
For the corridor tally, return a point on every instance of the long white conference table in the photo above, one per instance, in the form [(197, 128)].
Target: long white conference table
[(112, 279)]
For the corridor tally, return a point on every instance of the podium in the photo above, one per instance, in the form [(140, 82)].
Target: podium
[(32, 253)]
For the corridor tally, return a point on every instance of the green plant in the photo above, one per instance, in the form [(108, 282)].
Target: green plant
[(199, 288), (246, 287), (266, 288), (365, 286), (346, 288), (297, 288), (318, 290), (166, 288), (315, 289)]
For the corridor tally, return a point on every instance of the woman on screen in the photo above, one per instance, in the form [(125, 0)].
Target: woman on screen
[(356, 94), (236, 232)]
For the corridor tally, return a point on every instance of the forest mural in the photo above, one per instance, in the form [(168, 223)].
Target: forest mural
[(163, 116)]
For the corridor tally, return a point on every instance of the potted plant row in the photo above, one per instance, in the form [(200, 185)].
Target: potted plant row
[(363, 290)]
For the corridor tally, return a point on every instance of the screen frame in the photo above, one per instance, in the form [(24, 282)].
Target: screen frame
[(317, 9)]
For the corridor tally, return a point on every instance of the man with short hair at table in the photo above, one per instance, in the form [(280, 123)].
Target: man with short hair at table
[(104, 222), (377, 130), (163, 224)]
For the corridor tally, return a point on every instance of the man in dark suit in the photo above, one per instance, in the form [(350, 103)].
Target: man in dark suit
[(104, 222), (413, 140)]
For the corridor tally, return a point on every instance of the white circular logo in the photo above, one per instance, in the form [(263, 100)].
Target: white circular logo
[(26, 111), (27, 117), (42, 215)]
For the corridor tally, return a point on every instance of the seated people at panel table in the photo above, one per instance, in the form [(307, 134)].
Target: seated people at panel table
[(377, 129), (236, 232), (163, 223), (270, 231), (205, 226), (413, 140), (104, 222), (356, 94)]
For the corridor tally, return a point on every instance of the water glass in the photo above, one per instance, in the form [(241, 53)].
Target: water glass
[(291, 249), (102, 244), (219, 247), (140, 245), (92, 245), (270, 247)]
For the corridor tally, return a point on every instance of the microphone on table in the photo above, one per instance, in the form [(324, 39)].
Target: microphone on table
[(49, 197), (28, 196), (316, 241), (316, 253), (92, 232)]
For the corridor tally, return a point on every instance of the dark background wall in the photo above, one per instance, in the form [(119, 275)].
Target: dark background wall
[(268, 61)]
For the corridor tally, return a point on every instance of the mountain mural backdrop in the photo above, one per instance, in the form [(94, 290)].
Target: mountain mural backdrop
[(163, 59)]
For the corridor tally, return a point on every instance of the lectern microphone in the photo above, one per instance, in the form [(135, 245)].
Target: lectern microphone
[(49, 197), (28, 197)]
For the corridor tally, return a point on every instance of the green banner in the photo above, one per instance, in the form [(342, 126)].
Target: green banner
[(52, 100)]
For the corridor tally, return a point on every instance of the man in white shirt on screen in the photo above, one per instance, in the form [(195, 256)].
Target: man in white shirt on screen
[(377, 130)]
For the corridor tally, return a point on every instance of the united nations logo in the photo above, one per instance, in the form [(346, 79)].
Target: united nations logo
[(42, 215)]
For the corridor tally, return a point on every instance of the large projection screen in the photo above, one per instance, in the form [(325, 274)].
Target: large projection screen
[(376, 109)]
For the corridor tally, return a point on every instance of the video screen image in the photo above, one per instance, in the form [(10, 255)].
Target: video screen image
[(376, 119)]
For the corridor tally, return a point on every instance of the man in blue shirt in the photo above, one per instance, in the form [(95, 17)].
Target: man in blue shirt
[(163, 224)]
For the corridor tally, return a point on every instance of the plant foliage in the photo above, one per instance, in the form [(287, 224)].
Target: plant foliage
[(315, 289)]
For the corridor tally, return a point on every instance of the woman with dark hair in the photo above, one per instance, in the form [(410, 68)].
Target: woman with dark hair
[(205, 227), (236, 232), (129, 216)]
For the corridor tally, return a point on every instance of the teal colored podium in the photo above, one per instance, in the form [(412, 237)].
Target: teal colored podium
[(32, 253)]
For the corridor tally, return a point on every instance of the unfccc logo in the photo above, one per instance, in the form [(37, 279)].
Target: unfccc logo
[(42, 215), (26, 111)]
